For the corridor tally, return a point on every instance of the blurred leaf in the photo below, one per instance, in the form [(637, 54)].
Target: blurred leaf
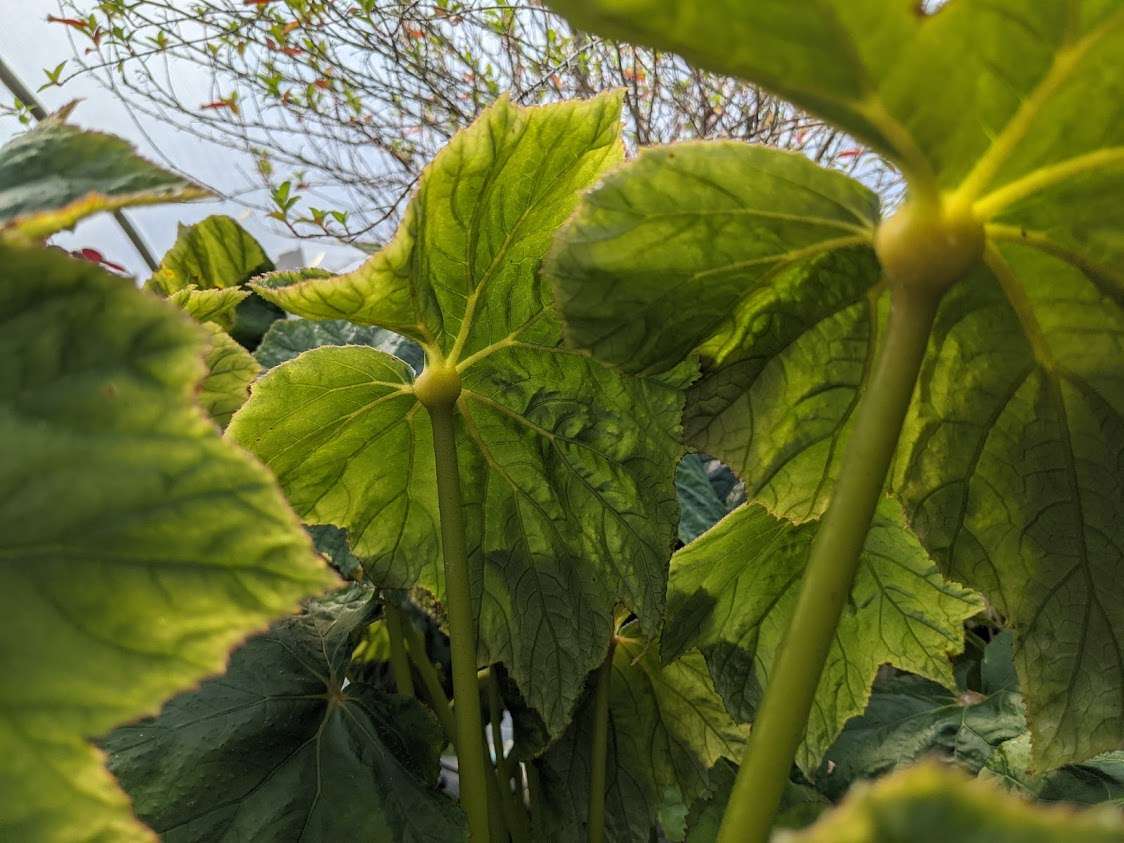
[(138, 545), (56, 174), (930, 803), (332, 543), (216, 305), (800, 805), (1098, 780), (214, 253), (700, 508)]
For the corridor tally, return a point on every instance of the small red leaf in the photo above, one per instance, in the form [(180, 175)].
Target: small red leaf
[(77, 24)]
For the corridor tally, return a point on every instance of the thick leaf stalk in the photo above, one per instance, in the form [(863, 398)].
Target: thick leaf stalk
[(833, 561), (439, 398), (399, 661)]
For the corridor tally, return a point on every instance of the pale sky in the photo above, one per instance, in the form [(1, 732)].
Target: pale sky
[(28, 44)]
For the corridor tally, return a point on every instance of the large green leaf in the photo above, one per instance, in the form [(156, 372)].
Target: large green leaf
[(778, 388), (732, 591), (137, 546), (667, 728), (1010, 465), (768, 273), (686, 243), (1010, 468), (999, 90), (287, 338), (56, 174), (283, 747), (931, 803), (567, 466)]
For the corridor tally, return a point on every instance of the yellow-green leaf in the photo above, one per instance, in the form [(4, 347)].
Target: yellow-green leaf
[(1002, 112), (217, 305), (136, 547), (733, 589), (567, 466), (213, 254), (230, 371)]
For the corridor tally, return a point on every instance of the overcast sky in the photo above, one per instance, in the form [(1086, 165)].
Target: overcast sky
[(28, 44)]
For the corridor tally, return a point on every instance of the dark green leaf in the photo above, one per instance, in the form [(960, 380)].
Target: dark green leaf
[(284, 747), (1098, 780), (909, 718), (700, 508), (332, 543), (252, 319), (286, 339)]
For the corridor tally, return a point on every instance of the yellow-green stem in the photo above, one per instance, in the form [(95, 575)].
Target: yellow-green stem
[(462, 622), (781, 721), (496, 819), (514, 814), (599, 752), (415, 642), (399, 661)]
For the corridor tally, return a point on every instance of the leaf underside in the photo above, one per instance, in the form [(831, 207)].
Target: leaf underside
[(733, 589), (1012, 458), (566, 465)]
